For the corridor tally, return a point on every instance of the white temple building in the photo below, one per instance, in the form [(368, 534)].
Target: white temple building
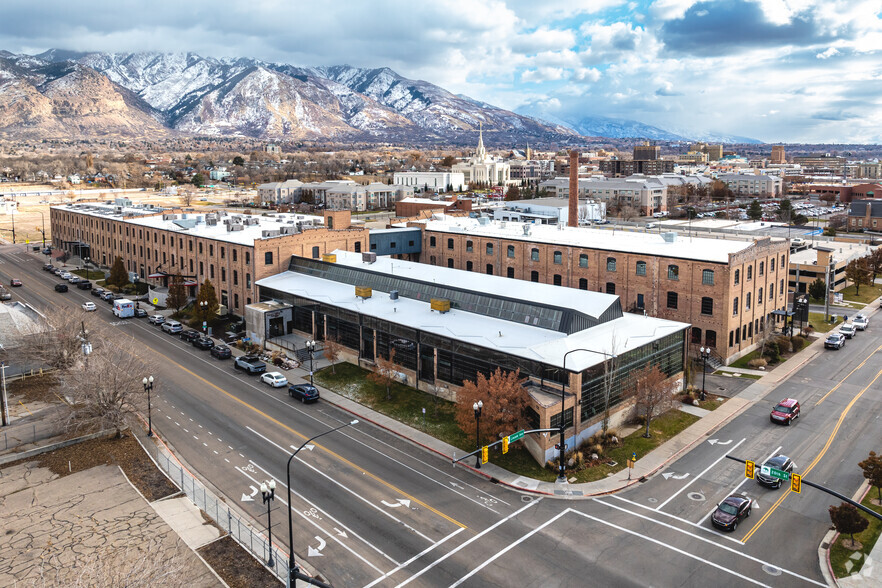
[(483, 168)]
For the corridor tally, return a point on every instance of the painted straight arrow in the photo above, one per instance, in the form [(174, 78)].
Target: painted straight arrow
[(401, 502), (307, 447), (340, 533)]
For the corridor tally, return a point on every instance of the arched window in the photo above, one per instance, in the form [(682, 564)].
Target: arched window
[(558, 257), (534, 254), (610, 288), (696, 336), (534, 276), (450, 243), (673, 272), (707, 277), (489, 269), (489, 248), (610, 264), (737, 277), (641, 268), (469, 266), (583, 284), (749, 272), (511, 250), (557, 280), (583, 260)]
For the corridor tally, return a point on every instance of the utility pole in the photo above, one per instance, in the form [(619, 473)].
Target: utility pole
[(4, 402), (829, 289)]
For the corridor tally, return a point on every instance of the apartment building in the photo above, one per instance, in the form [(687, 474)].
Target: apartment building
[(618, 168), (778, 156), (727, 289), (762, 185), (374, 196), (232, 250), (646, 193), (286, 192), (531, 170), (432, 181), (647, 152)]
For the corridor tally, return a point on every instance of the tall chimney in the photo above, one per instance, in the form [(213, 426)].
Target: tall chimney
[(573, 214)]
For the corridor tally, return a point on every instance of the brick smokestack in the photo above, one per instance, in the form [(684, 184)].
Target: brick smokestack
[(573, 215)]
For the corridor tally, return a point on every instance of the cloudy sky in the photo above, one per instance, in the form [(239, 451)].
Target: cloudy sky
[(776, 70)]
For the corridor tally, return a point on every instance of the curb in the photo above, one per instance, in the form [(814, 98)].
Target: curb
[(832, 535)]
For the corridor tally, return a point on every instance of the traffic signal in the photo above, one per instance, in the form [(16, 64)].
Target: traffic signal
[(504, 445), (796, 483), (748, 469), (484, 453)]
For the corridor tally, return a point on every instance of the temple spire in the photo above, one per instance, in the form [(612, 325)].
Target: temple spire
[(481, 152)]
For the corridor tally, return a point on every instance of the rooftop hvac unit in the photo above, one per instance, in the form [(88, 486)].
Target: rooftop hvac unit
[(211, 221), (363, 292), (235, 228), (442, 305), (169, 217), (393, 295), (266, 234), (370, 257), (526, 229)]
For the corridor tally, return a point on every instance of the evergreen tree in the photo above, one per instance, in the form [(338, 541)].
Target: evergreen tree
[(755, 211), (206, 312), (177, 293), (119, 277)]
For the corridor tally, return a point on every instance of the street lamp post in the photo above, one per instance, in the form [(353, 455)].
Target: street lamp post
[(203, 308), (268, 491), (478, 407), (148, 386), (705, 353), (292, 566), (310, 347)]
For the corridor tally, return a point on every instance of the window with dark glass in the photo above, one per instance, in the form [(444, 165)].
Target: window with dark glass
[(469, 246), (610, 287), (673, 272), (558, 257), (510, 272), (268, 258), (469, 266), (583, 260), (707, 277), (583, 284), (610, 264), (641, 268), (534, 254), (511, 251), (707, 305), (534, 276), (489, 248), (557, 280), (673, 298)]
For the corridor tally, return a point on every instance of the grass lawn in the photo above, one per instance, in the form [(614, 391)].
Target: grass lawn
[(89, 274), (839, 555), (741, 362), (407, 403), (868, 293), (816, 320)]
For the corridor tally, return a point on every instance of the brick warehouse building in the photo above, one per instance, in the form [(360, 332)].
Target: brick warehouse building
[(232, 250), (727, 289)]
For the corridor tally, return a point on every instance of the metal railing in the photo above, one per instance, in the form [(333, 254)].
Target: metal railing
[(238, 528)]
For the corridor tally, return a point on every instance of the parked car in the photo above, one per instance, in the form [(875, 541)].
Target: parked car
[(48, 267), (15, 282), (249, 363), (172, 327), (731, 511), (779, 462), (89, 306), (84, 285), (5, 294), (190, 335), (848, 330), (74, 279), (156, 319), (785, 411), (221, 352), (57, 271), (107, 296), (834, 341), (61, 287), (861, 322), (304, 392), (203, 342), (274, 379), (140, 313), (97, 291), (65, 275)]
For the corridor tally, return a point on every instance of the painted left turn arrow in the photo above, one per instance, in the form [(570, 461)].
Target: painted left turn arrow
[(668, 476)]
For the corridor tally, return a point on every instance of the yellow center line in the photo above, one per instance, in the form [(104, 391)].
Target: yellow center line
[(842, 381), (304, 437), (817, 459)]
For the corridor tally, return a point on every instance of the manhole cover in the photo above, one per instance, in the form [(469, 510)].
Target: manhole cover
[(696, 496), (771, 570), (526, 499), (653, 500)]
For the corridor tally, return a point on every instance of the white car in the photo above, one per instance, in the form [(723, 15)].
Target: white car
[(89, 306), (274, 379), (65, 275), (861, 322), (848, 330)]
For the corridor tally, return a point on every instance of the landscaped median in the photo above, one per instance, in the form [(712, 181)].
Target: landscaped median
[(847, 561), (406, 405)]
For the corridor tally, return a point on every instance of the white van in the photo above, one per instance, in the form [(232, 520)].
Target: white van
[(123, 308)]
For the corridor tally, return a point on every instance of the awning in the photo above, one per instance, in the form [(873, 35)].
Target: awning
[(190, 283), (160, 275)]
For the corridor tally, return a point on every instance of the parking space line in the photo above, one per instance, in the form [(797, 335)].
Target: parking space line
[(743, 480), (706, 470)]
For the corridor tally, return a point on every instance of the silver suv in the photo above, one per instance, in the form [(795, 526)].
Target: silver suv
[(172, 327)]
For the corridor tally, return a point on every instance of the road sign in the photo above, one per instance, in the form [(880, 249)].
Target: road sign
[(796, 483), (775, 473), (631, 463), (504, 445), (749, 467), (516, 436), (484, 452), (634, 456)]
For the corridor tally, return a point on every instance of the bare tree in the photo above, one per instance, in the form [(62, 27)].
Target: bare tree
[(186, 197), (609, 378), (56, 340), (386, 373), (653, 394), (505, 400), (332, 350)]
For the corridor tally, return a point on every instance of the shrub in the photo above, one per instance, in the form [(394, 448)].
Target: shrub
[(784, 344), (612, 436), (773, 355), (757, 362), (598, 449), (797, 342)]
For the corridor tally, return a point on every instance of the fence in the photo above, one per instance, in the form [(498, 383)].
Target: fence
[(249, 538)]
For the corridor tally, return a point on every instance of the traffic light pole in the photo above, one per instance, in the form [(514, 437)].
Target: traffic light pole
[(828, 491), (456, 460)]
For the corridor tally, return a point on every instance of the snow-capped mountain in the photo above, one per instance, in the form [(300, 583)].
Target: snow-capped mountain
[(188, 93)]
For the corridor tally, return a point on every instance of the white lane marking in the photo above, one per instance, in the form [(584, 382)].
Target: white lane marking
[(511, 546), (670, 475), (206, 444), (317, 526), (177, 423), (706, 540), (186, 430), (231, 447), (317, 552), (215, 452), (414, 558), (226, 460), (735, 489), (195, 437), (469, 542), (706, 470), (675, 517), (672, 548), (168, 417)]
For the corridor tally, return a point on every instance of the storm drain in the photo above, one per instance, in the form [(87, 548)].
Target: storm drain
[(695, 496), (771, 570)]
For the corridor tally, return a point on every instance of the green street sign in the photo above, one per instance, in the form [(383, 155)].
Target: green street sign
[(516, 436), (775, 473)]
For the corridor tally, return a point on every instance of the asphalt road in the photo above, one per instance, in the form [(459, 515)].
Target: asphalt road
[(373, 510)]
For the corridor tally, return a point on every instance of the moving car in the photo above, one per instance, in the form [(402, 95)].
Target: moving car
[(779, 462), (61, 287), (861, 322), (249, 363), (74, 279), (172, 327), (156, 319), (731, 511), (190, 335), (221, 352), (834, 341), (203, 342), (785, 411), (848, 330), (274, 379), (89, 306), (15, 282), (123, 308), (304, 392), (64, 275)]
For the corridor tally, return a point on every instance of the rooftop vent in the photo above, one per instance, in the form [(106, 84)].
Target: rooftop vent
[(669, 237), (526, 229), (393, 295), (369, 257)]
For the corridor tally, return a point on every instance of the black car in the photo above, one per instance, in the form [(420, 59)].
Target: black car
[(221, 352), (731, 511), (47, 267), (61, 287), (304, 392), (112, 297), (98, 291), (204, 343), (190, 335), (250, 363), (140, 313), (779, 462), (84, 285)]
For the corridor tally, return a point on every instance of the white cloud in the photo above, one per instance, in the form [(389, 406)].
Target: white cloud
[(670, 9), (586, 74), (830, 52), (542, 74)]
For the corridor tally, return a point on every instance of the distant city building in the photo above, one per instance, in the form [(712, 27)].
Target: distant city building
[(865, 215), (287, 192), (549, 211), (693, 157), (646, 193), (646, 151), (272, 148), (821, 164), (484, 169), (531, 169), (713, 152), (869, 171), (413, 207), (617, 168), (765, 186), (431, 181), (374, 196), (778, 156), (219, 174)]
